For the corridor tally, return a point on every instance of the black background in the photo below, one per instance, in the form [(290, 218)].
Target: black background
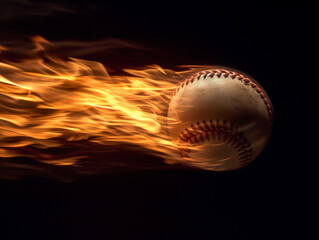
[(271, 198)]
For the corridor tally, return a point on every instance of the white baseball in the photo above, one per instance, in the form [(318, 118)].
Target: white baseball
[(221, 119)]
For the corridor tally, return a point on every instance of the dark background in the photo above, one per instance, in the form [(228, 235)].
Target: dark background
[(271, 198)]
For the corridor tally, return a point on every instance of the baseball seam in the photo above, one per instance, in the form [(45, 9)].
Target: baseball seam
[(234, 75), (220, 131)]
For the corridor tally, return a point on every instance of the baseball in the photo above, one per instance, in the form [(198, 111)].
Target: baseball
[(220, 119)]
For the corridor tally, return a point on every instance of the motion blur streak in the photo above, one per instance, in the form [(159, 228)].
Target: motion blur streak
[(49, 102)]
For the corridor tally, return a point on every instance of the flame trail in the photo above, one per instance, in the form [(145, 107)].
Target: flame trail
[(49, 105)]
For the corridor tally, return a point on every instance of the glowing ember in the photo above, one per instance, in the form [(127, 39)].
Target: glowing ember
[(47, 102)]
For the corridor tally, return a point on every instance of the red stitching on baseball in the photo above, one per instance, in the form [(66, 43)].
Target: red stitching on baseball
[(241, 77), (201, 132)]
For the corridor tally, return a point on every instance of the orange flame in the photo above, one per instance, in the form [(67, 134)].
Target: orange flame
[(47, 102)]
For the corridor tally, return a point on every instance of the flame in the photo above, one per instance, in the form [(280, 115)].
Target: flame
[(49, 103)]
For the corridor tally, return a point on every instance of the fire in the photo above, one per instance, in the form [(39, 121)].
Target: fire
[(48, 102)]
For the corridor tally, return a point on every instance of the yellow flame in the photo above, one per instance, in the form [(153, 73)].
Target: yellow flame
[(46, 101)]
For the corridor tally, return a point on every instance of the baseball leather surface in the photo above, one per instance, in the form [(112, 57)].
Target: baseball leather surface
[(221, 119)]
